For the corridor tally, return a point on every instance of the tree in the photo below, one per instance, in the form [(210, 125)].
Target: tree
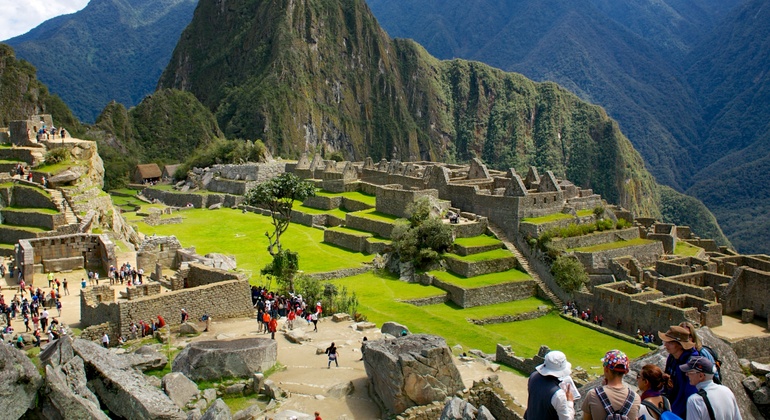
[(569, 273), (424, 239), (278, 196)]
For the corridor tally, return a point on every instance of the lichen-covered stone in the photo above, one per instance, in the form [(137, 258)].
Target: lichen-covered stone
[(238, 358), (19, 382)]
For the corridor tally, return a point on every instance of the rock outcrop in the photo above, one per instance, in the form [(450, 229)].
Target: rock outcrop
[(410, 370), (180, 389), (19, 382), (121, 388), (68, 394), (393, 328), (238, 358)]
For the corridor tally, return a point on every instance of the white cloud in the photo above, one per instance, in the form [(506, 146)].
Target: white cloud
[(19, 16)]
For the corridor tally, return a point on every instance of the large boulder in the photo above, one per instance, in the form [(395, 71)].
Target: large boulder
[(180, 389), (218, 411), (238, 358), (411, 370), (394, 328), (146, 358), (19, 382), (68, 394), (121, 388), (57, 353)]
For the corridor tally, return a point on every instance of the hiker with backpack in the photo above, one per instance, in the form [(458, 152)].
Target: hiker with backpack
[(680, 348), (651, 381), (613, 400), (705, 351), (712, 401), (551, 395)]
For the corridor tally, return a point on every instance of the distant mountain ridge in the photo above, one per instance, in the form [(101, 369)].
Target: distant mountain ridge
[(110, 50)]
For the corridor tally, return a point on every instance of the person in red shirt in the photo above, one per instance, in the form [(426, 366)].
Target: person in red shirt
[(317, 416), (272, 327), (291, 317), (161, 322)]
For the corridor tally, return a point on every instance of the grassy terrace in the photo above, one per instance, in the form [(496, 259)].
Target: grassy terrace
[(477, 241), (376, 215), (482, 256), (33, 229), (350, 231), (55, 168), (483, 280), (170, 188), (339, 213), (31, 210), (241, 234), (354, 195), (686, 250), (379, 295), (547, 219), (613, 245)]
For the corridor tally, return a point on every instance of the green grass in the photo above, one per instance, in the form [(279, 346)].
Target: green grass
[(241, 234), (483, 280), (339, 213), (477, 241), (686, 250), (378, 240), (350, 231), (170, 188), (489, 311), (482, 256), (547, 219), (33, 229), (613, 245), (7, 246), (584, 213), (378, 294), (354, 195), (373, 214), (31, 210), (56, 167)]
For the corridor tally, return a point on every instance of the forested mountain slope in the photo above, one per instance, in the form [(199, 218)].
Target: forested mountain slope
[(110, 50)]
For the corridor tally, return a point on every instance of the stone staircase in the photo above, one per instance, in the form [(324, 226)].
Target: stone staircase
[(524, 264), (63, 206)]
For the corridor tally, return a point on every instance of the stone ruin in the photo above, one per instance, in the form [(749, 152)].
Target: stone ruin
[(410, 371), (221, 359), (63, 253)]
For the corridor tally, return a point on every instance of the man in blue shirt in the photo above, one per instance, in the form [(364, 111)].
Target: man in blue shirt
[(680, 347)]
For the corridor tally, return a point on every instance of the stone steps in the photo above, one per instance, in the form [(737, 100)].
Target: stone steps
[(525, 264), (63, 205)]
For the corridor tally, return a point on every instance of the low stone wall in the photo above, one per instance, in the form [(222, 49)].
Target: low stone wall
[(200, 275), (338, 274), (613, 333), (470, 229), (597, 238), (525, 316), (229, 186), (672, 287), (323, 203), (504, 355), (752, 348), (598, 262), (462, 250), (56, 265), (31, 218), (348, 240), (477, 268), (499, 293), (433, 300), (24, 196), (98, 252), (353, 205), (11, 234), (382, 229), (374, 246), (259, 172), (142, 290), (158, 250), (534, 230)]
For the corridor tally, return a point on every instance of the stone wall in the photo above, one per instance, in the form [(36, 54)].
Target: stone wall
[(157, 250), (395, 201), (477, 268), (200, 275), (178, 199), (502, 319), (598, 262), (685, 284), (488, 295), (433, 300), (353, 205), (536, 229), (749, 289), (380, 228), (323, 203), (469, 229), (229, 186), (259, 172), (24, 196), (58, 252), (597, 238), (461, 250), (353, 241), (31, 218), (504, 355), (752, 347), (338, 274)]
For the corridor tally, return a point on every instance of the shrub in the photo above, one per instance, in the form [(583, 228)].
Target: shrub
[(623, 223), (57, 155), (569, 273), (425, 238), (598, 212)]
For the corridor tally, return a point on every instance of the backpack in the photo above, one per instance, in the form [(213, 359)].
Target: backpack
[(665, 413), (717, 362), (611, 413)]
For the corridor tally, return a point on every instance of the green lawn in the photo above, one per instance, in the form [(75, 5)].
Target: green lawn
[(354, 232), (584, 213), (686, 250), (33, 229), (482, 256), (353, 195), (376, 215), (32, 210), (548, 218), (242, 234), (339, 213), (613, 245), (477, 241), (483, 280), (56, 167), (378, 294)]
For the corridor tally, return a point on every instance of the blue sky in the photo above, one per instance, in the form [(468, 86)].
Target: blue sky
[(19, 16)]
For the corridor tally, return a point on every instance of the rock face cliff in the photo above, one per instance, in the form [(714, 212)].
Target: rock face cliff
[(310, 74)]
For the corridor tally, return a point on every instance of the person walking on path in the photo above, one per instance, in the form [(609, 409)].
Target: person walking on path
[(58, 305), (331, 351), (547, 399), (66, 290), (712, 401), (614, 397), (106, 340), (272, 326), (314, 320), (681, 348)]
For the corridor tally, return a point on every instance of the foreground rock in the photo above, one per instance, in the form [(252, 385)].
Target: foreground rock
[(19, 382), (409, 371), (180, 389), (238, 358), (67, 393), (394, 328), (121, 388)]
